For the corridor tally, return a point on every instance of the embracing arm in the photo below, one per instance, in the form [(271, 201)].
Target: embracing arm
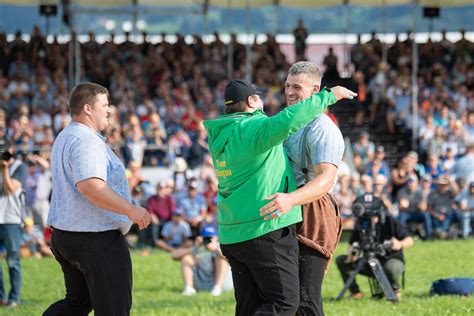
[(314, 189), (272, 131)]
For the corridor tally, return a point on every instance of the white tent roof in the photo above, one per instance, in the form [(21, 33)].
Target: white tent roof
[(244, 3)]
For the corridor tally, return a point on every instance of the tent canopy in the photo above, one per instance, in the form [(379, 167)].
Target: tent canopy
[(243, 3)]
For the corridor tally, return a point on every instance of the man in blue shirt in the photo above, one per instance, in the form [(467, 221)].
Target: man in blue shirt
[(90, 212)]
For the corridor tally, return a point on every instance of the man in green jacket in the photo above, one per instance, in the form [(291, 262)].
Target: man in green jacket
[(250, 164)]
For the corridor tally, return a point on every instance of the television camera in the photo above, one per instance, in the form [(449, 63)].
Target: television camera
[(370, 212)]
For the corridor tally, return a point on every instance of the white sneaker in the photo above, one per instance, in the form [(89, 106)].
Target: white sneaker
[(188, 291), (216, 291)]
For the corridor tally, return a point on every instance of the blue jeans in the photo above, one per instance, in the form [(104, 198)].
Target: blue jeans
[(419, 217), (453, 216), (10, 236)]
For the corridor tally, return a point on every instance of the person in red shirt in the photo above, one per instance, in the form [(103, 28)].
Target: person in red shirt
[(161, 207)]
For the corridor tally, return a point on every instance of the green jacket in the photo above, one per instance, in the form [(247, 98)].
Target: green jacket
[(251, 164)]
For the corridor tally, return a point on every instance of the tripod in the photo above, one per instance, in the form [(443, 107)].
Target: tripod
[(377, 271)]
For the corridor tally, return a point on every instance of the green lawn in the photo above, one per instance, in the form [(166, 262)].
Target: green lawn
[(157, 286)]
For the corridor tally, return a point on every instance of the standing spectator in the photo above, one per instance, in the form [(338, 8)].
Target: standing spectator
[(301, 34), (331, 74), (412, 206), (362, 99), (13, 176)]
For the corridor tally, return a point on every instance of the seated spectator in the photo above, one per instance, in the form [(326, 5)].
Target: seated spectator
[(413, 167), (440, 204), (345, 197), (364, 150), (448, 160), (378, 165), (161, 207), (433, 167), (463, 167), (134, 177), (465, 202), (380, 190), (426, 186), (194, 206), (175, 233), (399, 176), (412, 206), (32, 241), (203, 266)]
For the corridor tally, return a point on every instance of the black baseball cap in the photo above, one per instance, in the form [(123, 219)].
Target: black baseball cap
[(238, 90)]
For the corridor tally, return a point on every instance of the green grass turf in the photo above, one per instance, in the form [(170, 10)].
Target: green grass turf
[(157, 286)]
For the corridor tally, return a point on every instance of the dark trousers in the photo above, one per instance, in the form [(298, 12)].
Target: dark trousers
[(97, 272), (312, 269), (393, 268), (265, 273)]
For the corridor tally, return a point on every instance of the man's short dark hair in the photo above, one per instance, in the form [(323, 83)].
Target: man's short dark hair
[(84, 93)]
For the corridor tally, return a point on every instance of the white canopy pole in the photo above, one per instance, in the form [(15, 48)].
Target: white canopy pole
[(414, 78), (230, 49), (384, 42), (347, 53), (248, 48)]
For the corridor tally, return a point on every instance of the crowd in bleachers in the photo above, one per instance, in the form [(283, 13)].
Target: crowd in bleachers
[(162, 91)]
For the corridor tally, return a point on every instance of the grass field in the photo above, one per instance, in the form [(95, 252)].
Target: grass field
[(157, 286)]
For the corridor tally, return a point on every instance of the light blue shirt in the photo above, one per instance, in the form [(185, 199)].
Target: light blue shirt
[(178, 232), (79, 153), (324, 144), (192, 206)]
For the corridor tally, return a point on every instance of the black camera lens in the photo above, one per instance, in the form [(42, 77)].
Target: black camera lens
[(207, 240), (358, 209), (6, 155)]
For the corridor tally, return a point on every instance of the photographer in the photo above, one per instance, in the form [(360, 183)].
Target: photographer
[(203, 266), (12, 183), (376, 234)]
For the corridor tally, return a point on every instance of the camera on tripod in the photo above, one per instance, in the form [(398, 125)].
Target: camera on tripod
[(369, 211), (370, 214)]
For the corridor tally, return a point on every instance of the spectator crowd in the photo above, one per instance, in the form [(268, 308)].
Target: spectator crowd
[(161, 92)]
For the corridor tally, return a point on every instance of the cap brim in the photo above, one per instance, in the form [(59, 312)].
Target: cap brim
[(261, 90)]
